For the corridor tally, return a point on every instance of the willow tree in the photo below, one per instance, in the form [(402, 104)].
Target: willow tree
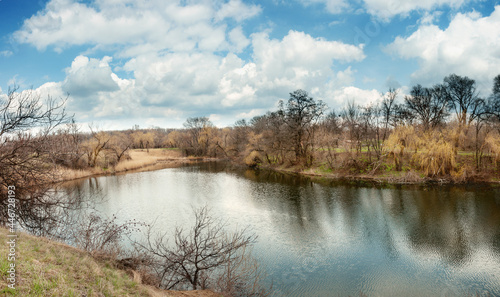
[(197, 128)]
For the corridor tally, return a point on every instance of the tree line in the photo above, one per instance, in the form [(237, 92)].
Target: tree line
[(444, 130)]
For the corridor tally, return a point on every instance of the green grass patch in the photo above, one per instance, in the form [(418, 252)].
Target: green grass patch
[(466, 153)]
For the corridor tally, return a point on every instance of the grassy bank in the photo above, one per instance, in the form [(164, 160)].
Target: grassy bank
[(48, 268)]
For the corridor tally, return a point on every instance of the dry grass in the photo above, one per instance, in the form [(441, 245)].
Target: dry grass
[(48, 268), (71, 174), (143, 158), (140, 160)]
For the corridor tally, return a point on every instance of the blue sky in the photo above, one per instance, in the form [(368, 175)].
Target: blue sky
[(155, 63)]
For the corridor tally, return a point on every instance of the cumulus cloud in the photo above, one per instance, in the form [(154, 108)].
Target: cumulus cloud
[(469, 46), (182, 59), (278, 66), (238, 40), (140, 26), (87, 76), (299, 60), (201, 83), (237, 10), (94, 92)]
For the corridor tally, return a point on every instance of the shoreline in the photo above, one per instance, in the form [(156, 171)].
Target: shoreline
[(401, 178), (157, 159)]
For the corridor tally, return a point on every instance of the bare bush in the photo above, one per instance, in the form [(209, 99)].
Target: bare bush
[(205, 257), (242, 277), (102, 236)]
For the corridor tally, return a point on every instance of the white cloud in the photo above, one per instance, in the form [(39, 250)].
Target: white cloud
[(6, 53), (298, 61), (182, 59), (178, 85), (469, 46), (385, 9), (87, 76), (429, 17), (237, 10), (333, 6), (177, 78), (252, 113), (388, 8), (353, 94), (139, 26), (279, 66), (238, 40)]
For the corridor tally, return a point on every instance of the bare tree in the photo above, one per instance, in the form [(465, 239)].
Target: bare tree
[(26, 154), (119, 145), (496, 85), (98, 235), (328, 138), (493, 103), (352, 122), (387, 110), (428, 105), (269, 137), (370, 117), (199, 258), (197, 127), (97, 143), (239, 136), (67, 146), (463, 98), (300, 114)]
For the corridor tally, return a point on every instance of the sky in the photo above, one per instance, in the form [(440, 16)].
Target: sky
[(120, 63)]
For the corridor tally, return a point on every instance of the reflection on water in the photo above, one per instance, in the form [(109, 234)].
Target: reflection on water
[(331, 238)]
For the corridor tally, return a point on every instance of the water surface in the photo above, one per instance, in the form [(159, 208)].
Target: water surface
[(331, 238)]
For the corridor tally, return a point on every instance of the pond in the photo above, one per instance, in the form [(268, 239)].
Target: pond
[(321, 238)]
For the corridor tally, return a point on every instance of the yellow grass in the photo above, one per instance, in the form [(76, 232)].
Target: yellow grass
[(143, 158), (71, 174), (139, 160)]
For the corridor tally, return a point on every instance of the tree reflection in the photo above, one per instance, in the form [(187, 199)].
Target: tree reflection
[(451, 222), (317, 225)]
